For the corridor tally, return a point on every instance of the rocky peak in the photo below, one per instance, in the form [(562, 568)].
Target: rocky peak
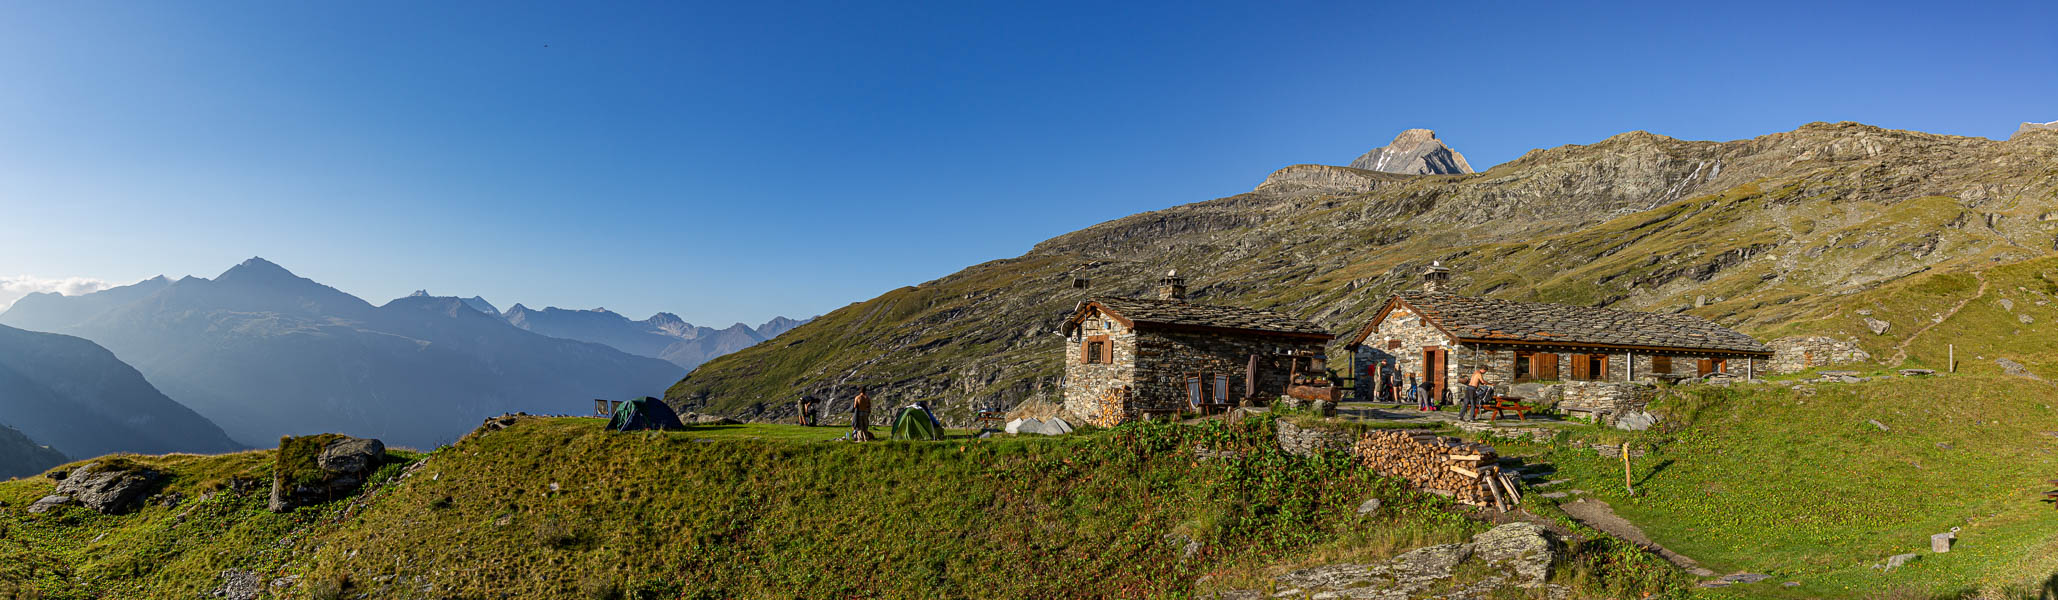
[(1414, 152), (256, 270), (2029, 127)]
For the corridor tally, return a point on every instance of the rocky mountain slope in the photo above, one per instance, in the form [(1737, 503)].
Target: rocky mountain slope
[(75, 395), (1414, 152), (264, 353), (1783, 233), (663, 335)]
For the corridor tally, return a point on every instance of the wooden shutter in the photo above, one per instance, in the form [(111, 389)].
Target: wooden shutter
[(1546, 366), (1579, 367), (1107, 351), (1603, 375), (1704, 367), (1661, 364), (1086, 351)]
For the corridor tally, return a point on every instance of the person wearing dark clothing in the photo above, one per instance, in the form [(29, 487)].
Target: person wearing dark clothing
[(1477, 392)]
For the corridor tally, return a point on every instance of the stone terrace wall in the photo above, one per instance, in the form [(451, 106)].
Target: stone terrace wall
[(1794, 354), (1603, 401)]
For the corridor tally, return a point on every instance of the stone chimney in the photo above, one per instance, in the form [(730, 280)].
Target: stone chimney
[(1172, 287), (1436, 278)]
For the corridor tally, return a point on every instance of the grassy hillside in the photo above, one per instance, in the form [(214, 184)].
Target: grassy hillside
[(1774, 235), (555, 508), (1797, 484)]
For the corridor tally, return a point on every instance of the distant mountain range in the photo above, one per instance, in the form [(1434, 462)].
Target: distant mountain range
[(264, 353), (663, 335), (75, 395)]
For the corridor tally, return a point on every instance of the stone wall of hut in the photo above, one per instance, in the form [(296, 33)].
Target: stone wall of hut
[(1086, 383), (1166, 358)]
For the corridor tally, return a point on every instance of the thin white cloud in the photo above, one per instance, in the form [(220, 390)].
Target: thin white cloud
[(14, 288)]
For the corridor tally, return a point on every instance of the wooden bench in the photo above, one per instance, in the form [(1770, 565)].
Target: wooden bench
[(1507, 404), (2052, 496)]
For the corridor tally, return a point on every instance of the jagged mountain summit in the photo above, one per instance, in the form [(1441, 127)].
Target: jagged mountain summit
[(663, 335), (265, 353), (1760, 235), (75, 395), (1414, 152)]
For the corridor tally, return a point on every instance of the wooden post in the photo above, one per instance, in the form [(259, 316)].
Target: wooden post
[(1626, 481), (1751, 369), (1628, 366), (1954, 358)]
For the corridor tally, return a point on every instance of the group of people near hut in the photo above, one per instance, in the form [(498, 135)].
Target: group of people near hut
[(1475, 393)]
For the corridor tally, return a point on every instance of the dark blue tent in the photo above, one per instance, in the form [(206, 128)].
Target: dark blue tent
[(644, 413)]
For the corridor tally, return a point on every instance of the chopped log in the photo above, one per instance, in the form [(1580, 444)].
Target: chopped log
[(1466, 456), (1466, 472)]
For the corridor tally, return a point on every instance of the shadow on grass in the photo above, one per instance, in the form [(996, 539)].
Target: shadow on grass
[(1655, 470)]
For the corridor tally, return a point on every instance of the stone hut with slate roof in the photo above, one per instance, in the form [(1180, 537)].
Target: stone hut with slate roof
[(1442, 337), (1129, 358)]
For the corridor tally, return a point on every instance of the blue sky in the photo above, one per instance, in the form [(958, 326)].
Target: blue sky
[(731, 163)]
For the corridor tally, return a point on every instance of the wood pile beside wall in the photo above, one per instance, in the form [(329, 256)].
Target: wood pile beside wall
[(1466, 471)]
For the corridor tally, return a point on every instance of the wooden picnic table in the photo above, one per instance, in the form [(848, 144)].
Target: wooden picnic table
[(1505, 404)]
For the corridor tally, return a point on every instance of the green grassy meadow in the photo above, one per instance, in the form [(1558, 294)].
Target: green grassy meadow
[(1797, 484)]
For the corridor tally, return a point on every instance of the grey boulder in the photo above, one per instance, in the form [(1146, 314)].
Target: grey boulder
[(110, 487), (342, 464)]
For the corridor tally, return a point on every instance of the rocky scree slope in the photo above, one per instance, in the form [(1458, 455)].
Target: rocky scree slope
[(1790, 231)]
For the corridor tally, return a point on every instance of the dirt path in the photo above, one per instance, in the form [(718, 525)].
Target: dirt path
[(1901, 350), (1599, 515)]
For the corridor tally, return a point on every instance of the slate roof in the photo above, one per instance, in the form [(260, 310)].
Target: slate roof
[(1494, 320), (1144, 312)]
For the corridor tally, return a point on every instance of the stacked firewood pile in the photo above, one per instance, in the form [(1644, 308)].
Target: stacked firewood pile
[(1113, 408), (1466, 471)]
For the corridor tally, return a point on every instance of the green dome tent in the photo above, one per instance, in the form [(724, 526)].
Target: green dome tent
[(914, 423), (644, 413)]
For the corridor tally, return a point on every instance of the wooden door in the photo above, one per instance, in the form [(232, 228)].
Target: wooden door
[(1704, 367), (1433, 371)]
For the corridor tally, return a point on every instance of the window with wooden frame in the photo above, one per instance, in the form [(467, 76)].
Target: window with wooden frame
[(1194, 393), (1524, 367), (1393, 344), (1661, 365), (1543, 366), (1096, 350), (1590, 367), (1221, 389), (1709, 366)]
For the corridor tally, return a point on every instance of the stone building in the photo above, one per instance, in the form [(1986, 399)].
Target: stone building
[(1134, 357), (1442, 337)]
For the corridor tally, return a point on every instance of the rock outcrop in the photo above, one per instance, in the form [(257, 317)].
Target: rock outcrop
[(319, 468), (2029, 127), (112, 486), (1515, 555), (1414, 152)]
